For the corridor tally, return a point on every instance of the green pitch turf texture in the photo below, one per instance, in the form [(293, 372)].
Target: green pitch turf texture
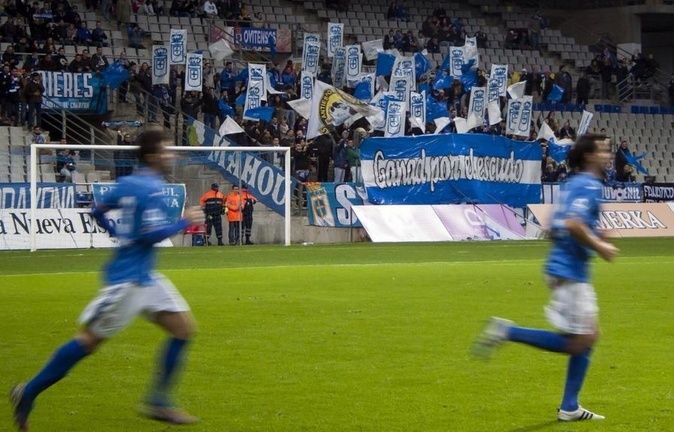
[(348, 338)]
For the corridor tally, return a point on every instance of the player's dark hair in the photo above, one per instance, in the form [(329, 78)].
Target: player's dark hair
[(585, 144), (149, 142)]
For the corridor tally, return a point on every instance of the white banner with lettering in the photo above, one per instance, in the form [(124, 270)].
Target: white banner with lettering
[(70, 228)]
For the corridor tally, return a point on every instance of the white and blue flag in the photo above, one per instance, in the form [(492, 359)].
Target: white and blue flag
[(403, 77), (338, 67), (178, 47), (312, 37), (354, 59), (518, 121), (306, 86), (395, 119), (418, 110), (160, 65), (456, 60), (194, 73), (476, 107), (372, 48), (585, 121), (499, 74), (256, 92), (310, 57), (335, 37)]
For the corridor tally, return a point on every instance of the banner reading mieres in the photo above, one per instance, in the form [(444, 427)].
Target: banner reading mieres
[(456, 168), (77, 92)]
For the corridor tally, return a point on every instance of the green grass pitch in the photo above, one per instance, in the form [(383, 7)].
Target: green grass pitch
[(348, 338)]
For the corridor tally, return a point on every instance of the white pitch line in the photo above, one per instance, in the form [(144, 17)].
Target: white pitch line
[(503, 262)]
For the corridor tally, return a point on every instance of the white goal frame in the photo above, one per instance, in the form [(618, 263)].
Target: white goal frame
[(34, 162)]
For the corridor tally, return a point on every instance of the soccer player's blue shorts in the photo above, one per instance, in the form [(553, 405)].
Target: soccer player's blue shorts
[(117, 305), (573, 306)]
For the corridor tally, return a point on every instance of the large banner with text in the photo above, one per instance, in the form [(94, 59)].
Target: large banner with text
[(82, 93), (173, 195), (452, 168), (624, 219), (49, 195)]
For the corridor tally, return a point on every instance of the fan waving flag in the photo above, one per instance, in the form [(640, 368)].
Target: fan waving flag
[(421, 63), (385, 62), (260, 113), (556, 93)]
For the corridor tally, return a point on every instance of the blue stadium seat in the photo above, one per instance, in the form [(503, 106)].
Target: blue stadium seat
[(634, 109), (643, 110), (654, 110), (599, 108)]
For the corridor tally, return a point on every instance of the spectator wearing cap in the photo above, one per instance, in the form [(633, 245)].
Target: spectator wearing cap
[(212, 202), (247, 212)]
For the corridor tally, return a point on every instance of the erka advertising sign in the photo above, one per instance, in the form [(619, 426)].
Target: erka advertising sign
[(623, 219)]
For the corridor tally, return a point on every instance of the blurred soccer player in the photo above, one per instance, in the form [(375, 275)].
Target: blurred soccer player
[(573, 306), (132, 287)]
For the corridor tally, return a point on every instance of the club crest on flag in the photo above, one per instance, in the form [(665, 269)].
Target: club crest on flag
[(353, 59), (417, 106), (478, 100), (311, 57), (394, 119), (514, 107), (194, 72), (499, 74), (525, 118), (335, 37), (178, 42), (307, 86), (456, 60), (338, 66), (160, 62), (493, 90)]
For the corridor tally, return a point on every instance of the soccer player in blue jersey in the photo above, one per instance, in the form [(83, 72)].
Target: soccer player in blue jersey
[(132, 287), (573, 305)]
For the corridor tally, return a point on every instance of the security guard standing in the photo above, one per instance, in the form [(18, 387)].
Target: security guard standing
[(213, 204), (248, 203)]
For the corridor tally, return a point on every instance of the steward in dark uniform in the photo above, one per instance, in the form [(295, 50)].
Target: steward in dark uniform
[(213, 204)]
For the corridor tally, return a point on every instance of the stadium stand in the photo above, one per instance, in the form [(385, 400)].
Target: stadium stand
[(519, 37)]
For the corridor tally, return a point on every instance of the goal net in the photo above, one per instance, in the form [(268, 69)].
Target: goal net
[(65, 180)]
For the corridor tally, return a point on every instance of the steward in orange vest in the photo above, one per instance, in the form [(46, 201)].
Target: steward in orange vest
[(213, 204)]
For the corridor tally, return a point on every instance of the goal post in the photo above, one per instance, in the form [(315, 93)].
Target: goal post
[(287, 179)]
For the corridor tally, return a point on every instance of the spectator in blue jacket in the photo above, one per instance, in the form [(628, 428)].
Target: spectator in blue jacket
[(83, 35), (228, 81), (289, 77)]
